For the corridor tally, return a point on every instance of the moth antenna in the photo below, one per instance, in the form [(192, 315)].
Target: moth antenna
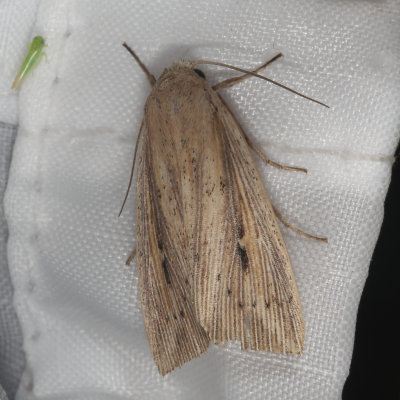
[(261, 77), (233, 81), (132, 169), (150, 77)]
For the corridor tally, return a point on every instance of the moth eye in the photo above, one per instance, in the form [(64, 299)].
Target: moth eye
[(199, 73)]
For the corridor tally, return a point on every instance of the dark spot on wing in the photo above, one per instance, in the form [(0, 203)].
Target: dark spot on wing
[(166, 272), (240, 231), (222, 184), (243, 257)]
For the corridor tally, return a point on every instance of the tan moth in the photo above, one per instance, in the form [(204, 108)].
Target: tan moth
[(212, 262)]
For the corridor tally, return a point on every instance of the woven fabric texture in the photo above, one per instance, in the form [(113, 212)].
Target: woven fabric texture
[(79, 114), (11, 354), (16, 23), (3, 395)]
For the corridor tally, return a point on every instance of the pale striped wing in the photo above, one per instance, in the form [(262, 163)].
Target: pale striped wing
[(174, 333), (245, 287)]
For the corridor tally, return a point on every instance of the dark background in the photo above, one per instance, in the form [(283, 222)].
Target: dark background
[(375, 367)]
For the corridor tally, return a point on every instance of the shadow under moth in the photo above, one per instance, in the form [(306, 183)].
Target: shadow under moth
[(212, 262)]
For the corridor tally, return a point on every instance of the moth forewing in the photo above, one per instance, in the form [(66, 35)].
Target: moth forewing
[(245, 287), (166, 219), (212, 262)]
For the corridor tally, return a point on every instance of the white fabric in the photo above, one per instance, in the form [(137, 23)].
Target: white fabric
[(3, 395), (80, 112), (11, 353)]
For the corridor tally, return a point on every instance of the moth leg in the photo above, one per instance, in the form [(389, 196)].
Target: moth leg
[(150, 77), (233, 81), (268, 161), (131, 257), (300, 232)]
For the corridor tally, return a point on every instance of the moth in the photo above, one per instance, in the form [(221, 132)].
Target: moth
[(33, 55), (212, 262)]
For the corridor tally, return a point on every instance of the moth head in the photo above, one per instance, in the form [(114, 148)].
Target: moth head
[(185, 65)]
